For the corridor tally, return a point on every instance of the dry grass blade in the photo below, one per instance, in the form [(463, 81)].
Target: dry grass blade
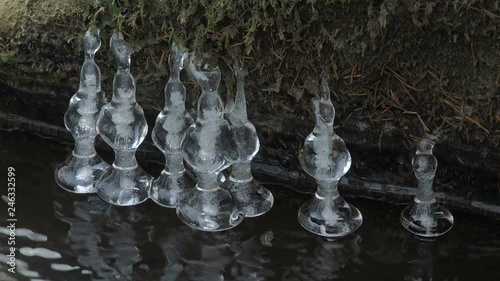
[(419, 118)]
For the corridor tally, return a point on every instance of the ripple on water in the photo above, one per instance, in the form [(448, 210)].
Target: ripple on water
[(24, 232), (40, 252)]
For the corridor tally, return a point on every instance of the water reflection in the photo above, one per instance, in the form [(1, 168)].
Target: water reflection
[(211, 256), (326, 261), (423, 256), (116, 243), (102, 237), (97, 241)]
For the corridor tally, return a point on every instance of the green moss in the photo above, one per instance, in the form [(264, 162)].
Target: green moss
[(414, 64)]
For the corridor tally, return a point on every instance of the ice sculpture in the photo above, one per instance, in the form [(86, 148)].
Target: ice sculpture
[(171, 124), (123, 126), (252, 197), (83, 167), (325, 157), (208, 147), (425, 216)]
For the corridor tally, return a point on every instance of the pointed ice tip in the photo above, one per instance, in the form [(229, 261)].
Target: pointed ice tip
[(117, 35), (91, 40), (118, 41), (207, 75), (92, 32), (121, 49), (178, 47), (229, 103), (325, 90), (425, 146), (178, 54), (238, 69)]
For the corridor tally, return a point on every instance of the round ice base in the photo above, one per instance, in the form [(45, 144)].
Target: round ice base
[(124, 186), (210, 210), (168, 190), (426, 218), (79, 174), (253, 198), (333, 218)]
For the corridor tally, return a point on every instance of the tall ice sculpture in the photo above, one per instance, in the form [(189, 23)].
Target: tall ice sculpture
[(208, 147), (325, 157), (252, 197), (171, 124), (424, 216), (123, 126), (83, 167)]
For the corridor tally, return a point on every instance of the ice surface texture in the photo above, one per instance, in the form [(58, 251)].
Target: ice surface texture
[(83, 167), (252, 197), (171, 124), (325, 157), (424, 216), (208, 147), (123, 126)]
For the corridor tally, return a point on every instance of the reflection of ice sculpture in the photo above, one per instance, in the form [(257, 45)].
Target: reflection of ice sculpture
[(325, 157), (208, 147), (420, 265), (326, 261), (171, 124), (198, 256), (123, 126), (425, 216), (252, 197), (102, 238), (83, 167)]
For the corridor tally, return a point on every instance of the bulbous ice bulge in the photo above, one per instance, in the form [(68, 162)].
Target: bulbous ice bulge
[(325, 157), (424, 216), (208, 147), (251, 196), (83, 167), (171, 124), (324, 154), (123, 126)]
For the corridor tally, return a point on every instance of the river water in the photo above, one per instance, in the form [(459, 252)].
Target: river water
[(63, 236)]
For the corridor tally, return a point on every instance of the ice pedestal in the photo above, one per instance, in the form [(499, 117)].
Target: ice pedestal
[(123, 126), (424, 216), (83, 167), (208, 147), (325, 157)]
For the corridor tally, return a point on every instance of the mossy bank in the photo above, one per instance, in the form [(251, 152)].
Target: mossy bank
[(400, 68)]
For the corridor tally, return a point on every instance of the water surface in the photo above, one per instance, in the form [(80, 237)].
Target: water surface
[(63, 236)]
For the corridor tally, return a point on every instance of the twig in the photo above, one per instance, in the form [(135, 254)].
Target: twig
[(419, 118)]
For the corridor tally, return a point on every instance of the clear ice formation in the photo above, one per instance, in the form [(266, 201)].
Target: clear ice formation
[(424, 216), (252, 197), (325, 157), (123, 126), (83, 167), (208, 147), (171, 124)]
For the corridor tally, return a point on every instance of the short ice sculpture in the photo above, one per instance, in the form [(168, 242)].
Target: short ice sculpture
[(252, 197), (170, 127), (208, 147), (325, 157), (424, 216), (123, 126), (83, 167)]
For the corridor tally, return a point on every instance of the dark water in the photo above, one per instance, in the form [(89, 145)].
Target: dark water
[(82, 238)]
